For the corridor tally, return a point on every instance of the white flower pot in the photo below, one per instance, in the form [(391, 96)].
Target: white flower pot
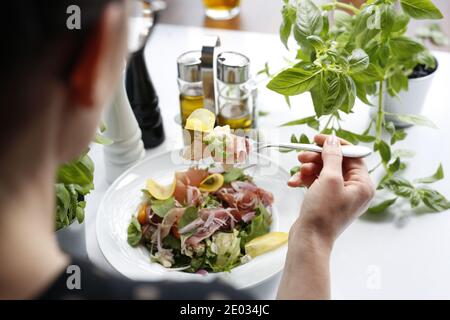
[(407, 102), (72, 240)]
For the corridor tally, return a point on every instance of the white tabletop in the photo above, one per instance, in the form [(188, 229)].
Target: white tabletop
[(371, 260)]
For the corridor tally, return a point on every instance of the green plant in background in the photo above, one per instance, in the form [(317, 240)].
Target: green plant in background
[(74, 181), (433, 33), (360, 55)]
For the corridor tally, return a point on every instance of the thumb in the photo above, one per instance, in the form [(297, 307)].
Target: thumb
[(332, 156)]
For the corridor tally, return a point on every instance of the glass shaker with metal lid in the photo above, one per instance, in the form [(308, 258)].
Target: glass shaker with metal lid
[(235, 91), (190, 83)]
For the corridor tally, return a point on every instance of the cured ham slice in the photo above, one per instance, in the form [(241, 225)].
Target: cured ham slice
[(213, 219), (193, 177), (244, 196)]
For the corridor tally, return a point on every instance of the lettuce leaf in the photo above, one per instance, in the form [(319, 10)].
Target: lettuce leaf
[(224, 251), (259, 226), (162, 207), (134, 232)]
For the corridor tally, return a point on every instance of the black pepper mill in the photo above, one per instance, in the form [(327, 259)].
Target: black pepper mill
[(144, 100)]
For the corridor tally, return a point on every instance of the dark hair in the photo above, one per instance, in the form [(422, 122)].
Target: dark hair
[(30, 26), (34, 34)]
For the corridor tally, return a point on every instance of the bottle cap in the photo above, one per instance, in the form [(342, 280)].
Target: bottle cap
[(189, 66), (233, 67)]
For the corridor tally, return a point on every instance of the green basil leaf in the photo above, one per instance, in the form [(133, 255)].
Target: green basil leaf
[(316, 42), (294, 138), (162, 207), (384, 149), (397, 82), (404, 47), (421, 9), (438, 175), (298, 122), (399, 186), (354, 137), (413, 119), (289, 14), (349, 93), (103, 140), (80, 214), (309, 18), (358, 60), (382, 206), (401, 23), (342, 19), (361, 93), (434, 200), (372, 74), (304, 139), (387, 19), (390, 128), (398, 136), (403, 153), (294, 170), (394, 166), (189, 215), (80, 171), (293, 81), (134, 232), (415, 199), (265, 70), (427, 59), (288, 101)]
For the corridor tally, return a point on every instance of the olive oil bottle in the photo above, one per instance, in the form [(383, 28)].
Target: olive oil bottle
[(235, 93), (189, 102), (236, 115), (191, 88)]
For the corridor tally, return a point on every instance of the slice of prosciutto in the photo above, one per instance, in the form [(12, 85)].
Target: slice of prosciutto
[(191, 178), (244, 196), (214, 219)]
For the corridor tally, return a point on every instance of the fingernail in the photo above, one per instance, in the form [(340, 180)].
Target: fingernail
[(293, 178), (332, 140)]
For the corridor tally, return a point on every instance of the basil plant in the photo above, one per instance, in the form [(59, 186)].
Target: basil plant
[(74, 181), (344, 53)]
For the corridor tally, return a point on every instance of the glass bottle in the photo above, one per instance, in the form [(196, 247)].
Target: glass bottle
[(235, 91), (190, 84)]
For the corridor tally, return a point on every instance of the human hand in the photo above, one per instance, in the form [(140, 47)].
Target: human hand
[(339, 190)]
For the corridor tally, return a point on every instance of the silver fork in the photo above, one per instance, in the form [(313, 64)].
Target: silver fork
[(348, 151)]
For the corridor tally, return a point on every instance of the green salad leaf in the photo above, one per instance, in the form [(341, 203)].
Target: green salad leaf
[(225, 249), (134, 232), (162, 207), (189, 215), (233, 174), (210, 202), (171, 242), (259, 226)]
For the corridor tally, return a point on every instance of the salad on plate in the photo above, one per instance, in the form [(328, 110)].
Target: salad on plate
[(206, 220), (209, 219)]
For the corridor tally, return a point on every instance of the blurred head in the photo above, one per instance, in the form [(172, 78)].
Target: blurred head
[(55, 80)]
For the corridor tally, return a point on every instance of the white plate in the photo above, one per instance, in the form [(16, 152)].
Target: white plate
[(123, 197)]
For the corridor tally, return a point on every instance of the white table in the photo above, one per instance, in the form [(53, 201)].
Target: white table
[(371, 260)]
